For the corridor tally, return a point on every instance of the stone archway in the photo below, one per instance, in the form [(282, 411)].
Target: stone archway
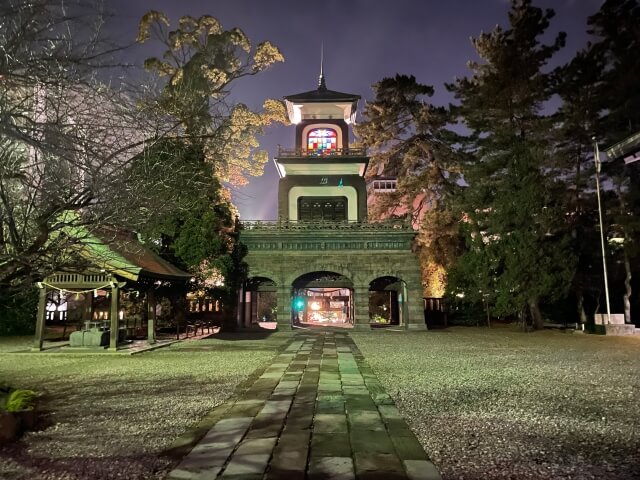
[(386, 300), (259, 301), (322, 298)]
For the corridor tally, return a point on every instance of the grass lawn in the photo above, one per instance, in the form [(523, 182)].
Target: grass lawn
[(112, 415), (499, 404)]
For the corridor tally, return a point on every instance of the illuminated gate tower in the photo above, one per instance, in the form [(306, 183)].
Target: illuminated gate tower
[(321, 263)]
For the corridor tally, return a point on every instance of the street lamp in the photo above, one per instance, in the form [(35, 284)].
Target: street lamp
[(596, 156)]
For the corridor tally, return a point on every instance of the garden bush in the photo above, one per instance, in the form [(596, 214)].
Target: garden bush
[(18, 312), (21, 400)]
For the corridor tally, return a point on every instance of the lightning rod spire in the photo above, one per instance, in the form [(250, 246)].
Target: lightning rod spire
[(321, 83)]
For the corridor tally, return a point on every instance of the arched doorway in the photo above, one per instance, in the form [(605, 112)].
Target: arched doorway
[(260, 301), (386, 300), (322, 299)]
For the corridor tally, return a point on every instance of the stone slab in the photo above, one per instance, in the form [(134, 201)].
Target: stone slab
[(409, 448), (335, 468), (330, 445), (246, 465), (256, 446), (367, 441), (421, 470), (378, 462), (329, 423), (365, 420)]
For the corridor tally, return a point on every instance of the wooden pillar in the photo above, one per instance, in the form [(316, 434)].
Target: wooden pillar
[(151, 315), (240, 308), (284, 308), (361, 307), (87, 312), (40, 320), (115, 297)]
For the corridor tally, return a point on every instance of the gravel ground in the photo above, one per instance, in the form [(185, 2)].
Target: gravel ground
[(500, 404), (111, 416)]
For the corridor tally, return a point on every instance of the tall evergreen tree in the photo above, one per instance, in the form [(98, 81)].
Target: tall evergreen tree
[(408, 139), (616, 27), (510, 202), (577, 120)]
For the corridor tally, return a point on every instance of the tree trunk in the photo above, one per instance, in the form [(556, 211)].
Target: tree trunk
[(582, 315), (486, 304), (627, 288), (536, 316)]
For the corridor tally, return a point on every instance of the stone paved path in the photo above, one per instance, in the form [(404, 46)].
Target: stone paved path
[(317, 412)]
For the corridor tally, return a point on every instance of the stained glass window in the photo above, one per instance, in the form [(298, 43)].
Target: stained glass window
[(322, 141)]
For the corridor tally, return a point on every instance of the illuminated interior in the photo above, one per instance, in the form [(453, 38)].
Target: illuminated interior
[(322, 141), (323, 306)]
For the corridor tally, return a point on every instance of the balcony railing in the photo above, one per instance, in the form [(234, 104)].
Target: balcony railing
[(338, 152), (293, 225)]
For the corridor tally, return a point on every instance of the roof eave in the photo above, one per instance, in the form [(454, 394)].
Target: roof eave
[(625, 147)]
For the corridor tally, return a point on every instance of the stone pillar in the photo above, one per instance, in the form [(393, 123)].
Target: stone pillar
[(361, 310), (151, 315), (284, 308), (248, 309), (40, 319), (113, 332), (413, 309)]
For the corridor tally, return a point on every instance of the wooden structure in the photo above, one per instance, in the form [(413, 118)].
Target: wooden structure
[(115, 259)]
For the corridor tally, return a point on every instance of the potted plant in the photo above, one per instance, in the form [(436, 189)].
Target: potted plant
[(379, 321), (17, 412)]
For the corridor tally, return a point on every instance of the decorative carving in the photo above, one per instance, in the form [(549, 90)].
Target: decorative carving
[(399, 224)]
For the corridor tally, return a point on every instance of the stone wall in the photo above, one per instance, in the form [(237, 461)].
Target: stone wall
[(378, 253)]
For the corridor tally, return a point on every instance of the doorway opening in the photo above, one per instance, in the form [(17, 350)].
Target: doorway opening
[(322, 299)]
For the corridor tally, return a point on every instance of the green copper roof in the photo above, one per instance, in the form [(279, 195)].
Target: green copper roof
[(120, 252), (626, 147)]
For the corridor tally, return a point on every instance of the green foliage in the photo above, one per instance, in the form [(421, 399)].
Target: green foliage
[(21, 400), (520, 252), (18, 312), (201, 60), (379, 319), (408, 139), (616, 27), (217, 143), (600, 94)]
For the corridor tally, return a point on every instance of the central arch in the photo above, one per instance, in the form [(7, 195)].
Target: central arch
[(322, 298)]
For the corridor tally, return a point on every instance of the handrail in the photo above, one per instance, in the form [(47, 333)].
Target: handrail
[(399, 224), (337, 152)]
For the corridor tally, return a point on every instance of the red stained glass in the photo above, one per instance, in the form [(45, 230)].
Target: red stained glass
[(322, 140)]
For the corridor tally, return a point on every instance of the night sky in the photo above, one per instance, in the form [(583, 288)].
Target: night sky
[(364, 41)]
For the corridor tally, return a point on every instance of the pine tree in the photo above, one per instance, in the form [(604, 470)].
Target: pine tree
[(408, 139), (616, 27), (578, 85), (510, 203)]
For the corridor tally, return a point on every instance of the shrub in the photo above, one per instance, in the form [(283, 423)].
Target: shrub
[(21, 400), (18, 312)]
